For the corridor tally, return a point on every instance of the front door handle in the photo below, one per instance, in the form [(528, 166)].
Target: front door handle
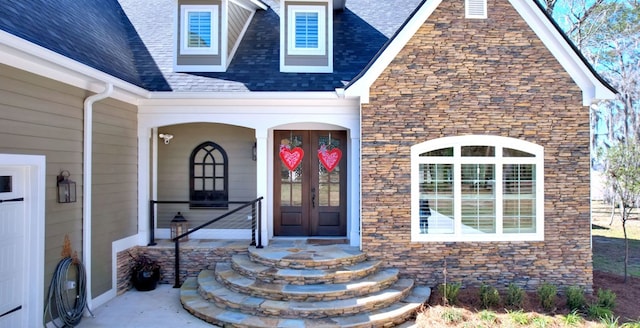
[(313, 197)]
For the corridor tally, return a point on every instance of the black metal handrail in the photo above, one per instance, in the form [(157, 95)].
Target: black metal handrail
[(256, 219)]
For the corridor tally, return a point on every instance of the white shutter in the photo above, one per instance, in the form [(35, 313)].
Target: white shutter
[(475, 9)]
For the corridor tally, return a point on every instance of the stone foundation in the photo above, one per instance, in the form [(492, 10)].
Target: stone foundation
[(195, 256)]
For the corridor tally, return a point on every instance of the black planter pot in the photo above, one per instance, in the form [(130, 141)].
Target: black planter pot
[(145, 280)]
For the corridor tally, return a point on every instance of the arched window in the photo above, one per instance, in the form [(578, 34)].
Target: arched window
[(477, 188), (209, 176)]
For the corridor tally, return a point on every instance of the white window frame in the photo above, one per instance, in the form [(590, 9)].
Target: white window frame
[(292, 10), (457, 160), (213, 10)]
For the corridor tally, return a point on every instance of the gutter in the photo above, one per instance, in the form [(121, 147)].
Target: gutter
[(86, 185)]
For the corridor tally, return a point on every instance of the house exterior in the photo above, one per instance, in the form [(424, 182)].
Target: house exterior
[(427, 133)]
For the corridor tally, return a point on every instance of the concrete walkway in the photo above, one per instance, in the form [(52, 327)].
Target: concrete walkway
[(157, 308), (153, 309)]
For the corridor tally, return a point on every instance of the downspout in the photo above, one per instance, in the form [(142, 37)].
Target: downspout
[(86, 185)]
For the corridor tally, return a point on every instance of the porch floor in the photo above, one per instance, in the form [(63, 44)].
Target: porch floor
[(162, 308)]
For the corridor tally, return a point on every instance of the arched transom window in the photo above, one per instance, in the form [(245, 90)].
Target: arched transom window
[(477, 188), (209, 176)]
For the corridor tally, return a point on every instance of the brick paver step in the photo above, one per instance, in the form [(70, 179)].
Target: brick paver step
[(236, 281), (225, 298), (269, 274), (396, 313)]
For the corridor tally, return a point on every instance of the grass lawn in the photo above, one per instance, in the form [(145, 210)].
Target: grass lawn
[(608, 241)]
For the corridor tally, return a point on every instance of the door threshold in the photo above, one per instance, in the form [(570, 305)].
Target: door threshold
[(313, 240)]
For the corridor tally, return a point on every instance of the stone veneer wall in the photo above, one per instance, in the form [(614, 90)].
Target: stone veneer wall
[(462, 76), (193, 259)]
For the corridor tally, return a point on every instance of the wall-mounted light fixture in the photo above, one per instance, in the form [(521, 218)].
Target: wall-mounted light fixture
[(167, 137), (66, 188), (254, 152), (179, 225)]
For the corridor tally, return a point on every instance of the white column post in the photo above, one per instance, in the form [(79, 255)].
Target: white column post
[(144, 165), (262, 176), (353, 198)]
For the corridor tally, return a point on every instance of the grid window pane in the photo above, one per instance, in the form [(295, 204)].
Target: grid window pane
[(478, 201), (519, 202), (436, 199), (478, 151), (209, 176), (444, 152), (199, 29)]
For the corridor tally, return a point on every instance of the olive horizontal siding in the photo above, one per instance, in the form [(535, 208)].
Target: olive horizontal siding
[(42, 117), (114, 199), (173, 167)]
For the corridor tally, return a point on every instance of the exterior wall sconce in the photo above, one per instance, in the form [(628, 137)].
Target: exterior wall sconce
[(254, 152), (66, 188), (167, 137), (179, 225)]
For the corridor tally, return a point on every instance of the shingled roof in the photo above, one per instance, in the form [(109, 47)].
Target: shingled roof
[(95, 33), (360, 30), (133, 40)]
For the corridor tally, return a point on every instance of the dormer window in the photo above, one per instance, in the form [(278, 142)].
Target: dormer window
[(208, 32), (199, 33), (307, 30), (306, 36)]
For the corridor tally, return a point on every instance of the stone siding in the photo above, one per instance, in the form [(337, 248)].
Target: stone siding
[(194, 257), (492, 76)]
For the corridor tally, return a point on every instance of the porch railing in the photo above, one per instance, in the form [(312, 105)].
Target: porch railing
[(256, 226)]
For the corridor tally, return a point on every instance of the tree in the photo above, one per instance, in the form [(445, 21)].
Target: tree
[(614, 50), (607, 32), (623, 173)]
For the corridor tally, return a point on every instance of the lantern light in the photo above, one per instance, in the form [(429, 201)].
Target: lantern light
[(179, 225), (66, 188)]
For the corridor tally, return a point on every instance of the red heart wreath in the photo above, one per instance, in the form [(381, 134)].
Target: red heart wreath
[(291, 157), (329, 158)]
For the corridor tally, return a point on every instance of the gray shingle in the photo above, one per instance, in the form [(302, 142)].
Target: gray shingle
[(95, 33)]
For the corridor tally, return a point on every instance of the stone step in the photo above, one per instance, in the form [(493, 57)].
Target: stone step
[(289, 255), (279, 291), (384, 317), (268, 274), (223, 297)]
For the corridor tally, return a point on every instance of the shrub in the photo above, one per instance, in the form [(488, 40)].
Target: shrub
[(606, 299), (575, 298), (541, 322), (488, 316), (598, 312), (610, 322), (450, 292), (572, 319), (547, 294), (452, 315), (518, 317), (514, 297), (489, 296)]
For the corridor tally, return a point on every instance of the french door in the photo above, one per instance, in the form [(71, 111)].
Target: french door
[(310, 183)]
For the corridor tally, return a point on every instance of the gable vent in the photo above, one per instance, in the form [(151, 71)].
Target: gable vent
[(475, 9)]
